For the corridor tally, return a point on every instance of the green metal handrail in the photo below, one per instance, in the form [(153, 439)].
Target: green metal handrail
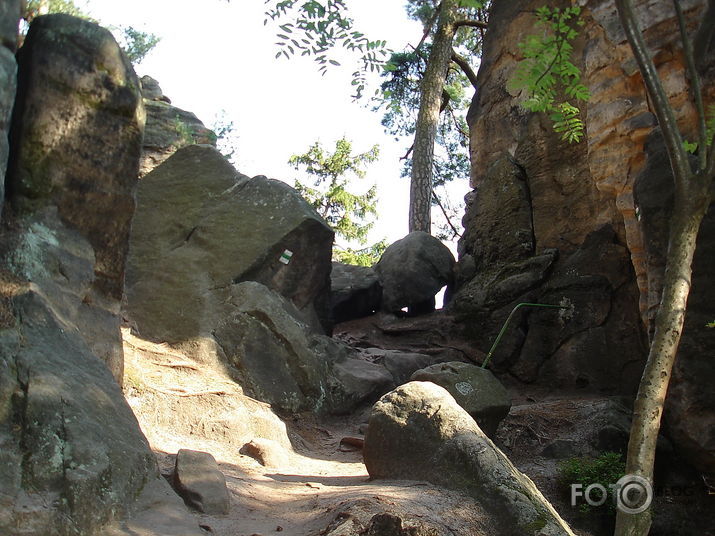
[(508, 319)]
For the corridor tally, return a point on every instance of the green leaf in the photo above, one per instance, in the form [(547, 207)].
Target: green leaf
[(690, 147)]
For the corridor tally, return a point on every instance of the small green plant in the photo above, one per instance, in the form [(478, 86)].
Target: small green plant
[(692, 147), (184, 131), (605, 470)]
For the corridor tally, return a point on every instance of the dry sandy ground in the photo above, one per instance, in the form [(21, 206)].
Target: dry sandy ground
[(310, 486)]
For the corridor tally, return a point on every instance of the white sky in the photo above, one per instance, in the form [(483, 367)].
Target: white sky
[(216, 55)]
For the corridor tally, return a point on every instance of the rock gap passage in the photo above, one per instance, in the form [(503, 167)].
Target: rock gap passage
[(179, 356)]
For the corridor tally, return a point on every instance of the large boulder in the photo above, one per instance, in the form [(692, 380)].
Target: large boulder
[(355, 292), (67, 436), (447, 447), (200, 227), (474, 388), (412, 271), (270, 350), (9, 17), (76, 141), (168, 128)]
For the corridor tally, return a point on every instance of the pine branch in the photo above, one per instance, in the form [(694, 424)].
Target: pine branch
[(446, 216), (466, 68), (428, 28), (407, 154), (472, 24)]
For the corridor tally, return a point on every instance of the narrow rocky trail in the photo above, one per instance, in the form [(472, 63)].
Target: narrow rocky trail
[(307, 481)]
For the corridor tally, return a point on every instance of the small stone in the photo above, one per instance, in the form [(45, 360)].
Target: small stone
[(265, 451), (199, 481)]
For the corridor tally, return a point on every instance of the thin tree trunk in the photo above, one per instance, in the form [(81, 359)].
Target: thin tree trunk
[(428, 118), (691, 201), (648, 408)]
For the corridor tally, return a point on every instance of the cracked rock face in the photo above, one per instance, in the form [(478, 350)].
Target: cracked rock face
[(618, 176), (72, 456), (76, 140)]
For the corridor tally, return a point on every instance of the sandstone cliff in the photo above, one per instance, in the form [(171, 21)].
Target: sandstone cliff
[(558, 194)]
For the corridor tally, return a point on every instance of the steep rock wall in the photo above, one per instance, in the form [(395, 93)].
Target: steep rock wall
[(9, 16), (72, 456), (577, 188), (76, 141), (618, 176)]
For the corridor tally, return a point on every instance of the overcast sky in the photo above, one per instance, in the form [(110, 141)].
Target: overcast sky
[(215, 55)]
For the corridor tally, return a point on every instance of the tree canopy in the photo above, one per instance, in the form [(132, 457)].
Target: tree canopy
[(349, 214), (135, 43)]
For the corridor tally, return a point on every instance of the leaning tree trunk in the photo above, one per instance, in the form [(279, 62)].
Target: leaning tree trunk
[(648, 407), (428, 118), (691, 201)]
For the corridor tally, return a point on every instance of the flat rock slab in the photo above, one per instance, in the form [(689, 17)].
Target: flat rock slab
[(200, 482)]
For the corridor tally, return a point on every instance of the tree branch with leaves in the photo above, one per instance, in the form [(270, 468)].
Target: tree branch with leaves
[(347, 213)]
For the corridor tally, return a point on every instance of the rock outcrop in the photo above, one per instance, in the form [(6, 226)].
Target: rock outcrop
[(617, 177), (9, 17), (200, 227), (556, 347), (67, 436), (474, 388), (168, 128), (72, 456), (447, 447), (76, 139), (412, 270), (264, 341)]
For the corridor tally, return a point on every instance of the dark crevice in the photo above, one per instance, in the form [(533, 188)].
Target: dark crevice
[(527, 191), (186, 240), (20, 406)]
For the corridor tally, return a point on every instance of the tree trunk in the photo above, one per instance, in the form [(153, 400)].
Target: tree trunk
[(428, 118), (691, 201), (648, 408)]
